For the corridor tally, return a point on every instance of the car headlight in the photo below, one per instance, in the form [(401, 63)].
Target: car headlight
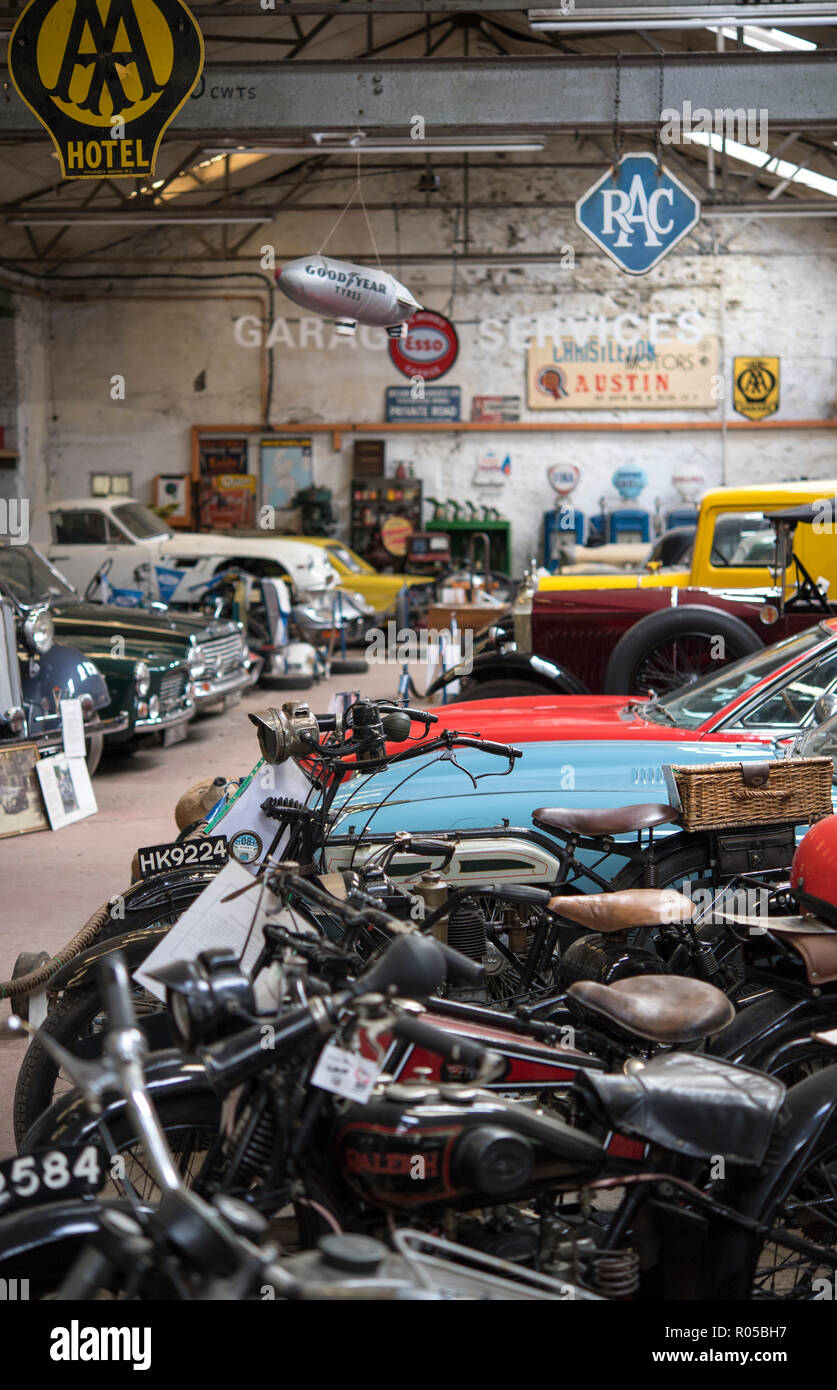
[(142, 677), (197, 662), (39, 630)]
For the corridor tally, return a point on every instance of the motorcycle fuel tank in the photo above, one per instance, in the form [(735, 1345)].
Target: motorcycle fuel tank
[(414, 1148)]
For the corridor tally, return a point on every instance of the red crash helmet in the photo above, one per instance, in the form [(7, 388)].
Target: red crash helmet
[(814, 870)]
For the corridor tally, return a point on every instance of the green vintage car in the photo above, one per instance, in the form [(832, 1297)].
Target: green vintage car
[(160, 669)]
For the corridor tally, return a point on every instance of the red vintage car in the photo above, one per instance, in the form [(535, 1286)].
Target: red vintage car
[(775, 693), (653, 632)]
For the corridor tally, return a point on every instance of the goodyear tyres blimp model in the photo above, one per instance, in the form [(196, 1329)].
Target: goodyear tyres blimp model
[(348, 294)]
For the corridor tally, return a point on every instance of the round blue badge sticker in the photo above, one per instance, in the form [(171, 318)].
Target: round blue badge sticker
[(246, 846)]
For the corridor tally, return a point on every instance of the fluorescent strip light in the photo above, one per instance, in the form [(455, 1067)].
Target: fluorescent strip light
[(420, 147), (132, 219), (768, 40), (782, 168), (592, 20)]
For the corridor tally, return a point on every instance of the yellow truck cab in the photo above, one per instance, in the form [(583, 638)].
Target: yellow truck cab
[(734, 545), (657, 630)]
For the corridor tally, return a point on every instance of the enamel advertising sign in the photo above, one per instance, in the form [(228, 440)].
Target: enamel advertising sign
[(637, 213), (756, 386), (605, 374), (105, 78)]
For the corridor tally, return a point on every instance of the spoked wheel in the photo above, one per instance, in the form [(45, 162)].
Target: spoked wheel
[(77, 1022), (672, 664), (675, 646), (809, 1212)]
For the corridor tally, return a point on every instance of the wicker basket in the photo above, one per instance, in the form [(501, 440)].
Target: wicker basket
[(722, 796)]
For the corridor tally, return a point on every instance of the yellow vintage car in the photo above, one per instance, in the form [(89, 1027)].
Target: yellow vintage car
[(378, 590), (734, 544)]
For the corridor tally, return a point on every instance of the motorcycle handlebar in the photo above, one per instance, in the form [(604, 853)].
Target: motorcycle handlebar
[(484, 745), (448, 1045)]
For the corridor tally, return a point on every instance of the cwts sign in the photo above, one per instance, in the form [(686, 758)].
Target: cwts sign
[(106, 77)]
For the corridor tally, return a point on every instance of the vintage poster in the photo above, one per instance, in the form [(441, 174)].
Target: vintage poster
[(605, 374), (284, 468)]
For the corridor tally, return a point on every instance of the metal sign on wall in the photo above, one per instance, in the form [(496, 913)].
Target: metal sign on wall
[(637, 213), (604, 374), (437, 403), (105, 78), (495, 410), (755, 386), (428, 349)]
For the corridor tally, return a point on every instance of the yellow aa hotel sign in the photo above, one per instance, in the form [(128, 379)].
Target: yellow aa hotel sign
[(106, 77), (755, 382)]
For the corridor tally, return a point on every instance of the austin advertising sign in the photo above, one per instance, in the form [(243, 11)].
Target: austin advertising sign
[(605, 374)]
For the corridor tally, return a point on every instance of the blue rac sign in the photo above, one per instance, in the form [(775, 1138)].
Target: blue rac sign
[(637, 213)]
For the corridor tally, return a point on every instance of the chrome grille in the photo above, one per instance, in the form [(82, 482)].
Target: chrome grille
[(172, 690), (223, 654)]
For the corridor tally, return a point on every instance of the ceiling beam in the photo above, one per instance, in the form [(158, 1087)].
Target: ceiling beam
[(491, 97)]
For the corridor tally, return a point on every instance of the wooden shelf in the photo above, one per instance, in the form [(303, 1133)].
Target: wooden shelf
[(338, 428)]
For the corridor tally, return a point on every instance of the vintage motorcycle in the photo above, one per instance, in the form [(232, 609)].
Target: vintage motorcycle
[(514, 929), (726, 1177), (188, 1248)]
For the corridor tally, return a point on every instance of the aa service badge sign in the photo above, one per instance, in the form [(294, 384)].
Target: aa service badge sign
[(105, 78), (756, 386)]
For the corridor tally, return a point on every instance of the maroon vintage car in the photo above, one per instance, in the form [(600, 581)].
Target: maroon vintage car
[(636, 634)]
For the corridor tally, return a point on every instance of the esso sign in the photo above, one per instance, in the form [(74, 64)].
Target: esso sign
[(429, 347), (563, 478)]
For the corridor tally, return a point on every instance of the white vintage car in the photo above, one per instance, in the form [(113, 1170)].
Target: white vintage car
[(149, 560)]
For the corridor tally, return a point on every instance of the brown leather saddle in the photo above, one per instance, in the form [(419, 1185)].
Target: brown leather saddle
[(613, 820), (667, 1009), (817, 949), (624, 910)]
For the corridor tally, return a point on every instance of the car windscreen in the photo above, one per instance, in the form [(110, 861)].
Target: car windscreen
[(694, 704), (348, 560), (141, 522), (28, 577)]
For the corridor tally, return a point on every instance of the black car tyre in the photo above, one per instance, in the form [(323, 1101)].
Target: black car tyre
[(666, 650)]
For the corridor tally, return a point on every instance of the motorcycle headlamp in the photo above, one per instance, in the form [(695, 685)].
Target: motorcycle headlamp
[(285, 733), (207, 998), (39, 630)]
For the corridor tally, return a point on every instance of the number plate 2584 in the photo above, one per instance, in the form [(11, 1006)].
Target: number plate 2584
[(49, 1174), (183, 854)]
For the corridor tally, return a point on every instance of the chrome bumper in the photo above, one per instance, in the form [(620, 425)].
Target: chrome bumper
[(165, 721), (53, 742), (208, 691)]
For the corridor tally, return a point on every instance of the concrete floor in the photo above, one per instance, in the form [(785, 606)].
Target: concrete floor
[(53, 881)]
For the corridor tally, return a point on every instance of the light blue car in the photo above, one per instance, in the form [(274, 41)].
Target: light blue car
[(436, 795)]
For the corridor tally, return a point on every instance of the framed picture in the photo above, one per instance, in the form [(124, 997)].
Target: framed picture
[(21, 806), (67, 789), (284, 468), (221, 456)]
